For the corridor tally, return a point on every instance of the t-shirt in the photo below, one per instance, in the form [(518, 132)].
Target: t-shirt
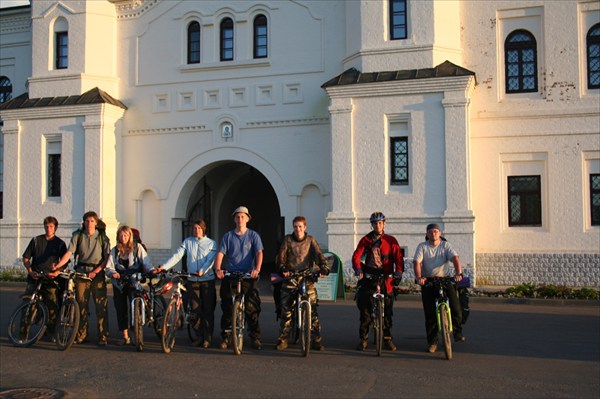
[(44, 252), (240, 250), (89, 249), (435, 259)]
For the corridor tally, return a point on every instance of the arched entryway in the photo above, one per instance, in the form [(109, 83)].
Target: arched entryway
[(222, 187)]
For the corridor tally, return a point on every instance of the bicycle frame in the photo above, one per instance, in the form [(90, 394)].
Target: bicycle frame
[(133, 281), (238, 326), (301, 297), (378, 310), (442, 298)]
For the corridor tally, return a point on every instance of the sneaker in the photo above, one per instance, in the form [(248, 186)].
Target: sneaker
[(458, 337), (317, 345), (256, 344), (362, 345), (206, 344), (81, 341), (432, 348), (389, 344), (281, 345)]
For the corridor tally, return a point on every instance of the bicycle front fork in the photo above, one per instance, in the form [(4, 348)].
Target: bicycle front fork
[(133, 311), (438, 313)]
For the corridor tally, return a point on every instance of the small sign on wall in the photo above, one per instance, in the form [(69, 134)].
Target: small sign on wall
[(227, 131)]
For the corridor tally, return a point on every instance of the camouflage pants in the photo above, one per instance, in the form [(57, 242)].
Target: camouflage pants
[(288, 296)]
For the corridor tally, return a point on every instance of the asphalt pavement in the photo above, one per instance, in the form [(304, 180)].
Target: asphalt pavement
[(526, 349)]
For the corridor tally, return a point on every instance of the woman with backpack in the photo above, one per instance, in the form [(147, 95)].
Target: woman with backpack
[(127, 257)]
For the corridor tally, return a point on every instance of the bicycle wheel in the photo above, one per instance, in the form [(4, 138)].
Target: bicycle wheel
[(67, 324), (305, 311), (378, 326), (445, 330), (237, 327), (170, 326), (27, 323), (138, 323), (159, 315)]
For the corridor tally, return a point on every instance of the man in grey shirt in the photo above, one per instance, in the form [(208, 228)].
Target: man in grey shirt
[(431, 260)]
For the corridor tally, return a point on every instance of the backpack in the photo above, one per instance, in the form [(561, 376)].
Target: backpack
[(137, 239), (101, 227), (463, 297)]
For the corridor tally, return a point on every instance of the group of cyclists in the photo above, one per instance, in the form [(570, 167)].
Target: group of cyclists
[(239, 250)]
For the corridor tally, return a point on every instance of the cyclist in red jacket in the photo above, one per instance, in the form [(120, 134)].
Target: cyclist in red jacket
[(383, 255)]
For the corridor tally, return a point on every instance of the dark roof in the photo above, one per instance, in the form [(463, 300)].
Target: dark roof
[(354, 76), (93, 96)]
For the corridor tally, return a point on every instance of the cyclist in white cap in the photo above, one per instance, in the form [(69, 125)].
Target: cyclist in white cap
[(244, 250)]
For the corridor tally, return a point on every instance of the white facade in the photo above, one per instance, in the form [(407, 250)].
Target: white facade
[(150, 150)]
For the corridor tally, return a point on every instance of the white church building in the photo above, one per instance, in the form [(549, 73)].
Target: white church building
[(481, 116)]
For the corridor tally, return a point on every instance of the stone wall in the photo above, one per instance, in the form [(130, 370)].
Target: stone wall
[(569, 269)]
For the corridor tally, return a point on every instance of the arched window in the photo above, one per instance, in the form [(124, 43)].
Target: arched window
[(227, 39), (61, 44), (261, 49), (5, 89), (593, 57), (193, 43), (520, 58)]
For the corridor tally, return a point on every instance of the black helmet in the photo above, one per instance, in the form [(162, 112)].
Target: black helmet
[(377, 216)]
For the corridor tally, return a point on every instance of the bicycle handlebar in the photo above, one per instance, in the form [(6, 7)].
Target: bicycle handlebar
[(68, 274), (430, 281), (370, 276), (238, 275)]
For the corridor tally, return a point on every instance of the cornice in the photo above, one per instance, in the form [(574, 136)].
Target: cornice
[(403, 87), (61, 112), (248, 125), (166, 130), (16, 24), (131, 9), (287, 122)]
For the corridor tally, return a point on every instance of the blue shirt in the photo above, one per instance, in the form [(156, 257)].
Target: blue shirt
[(201, 254), (241, 250)]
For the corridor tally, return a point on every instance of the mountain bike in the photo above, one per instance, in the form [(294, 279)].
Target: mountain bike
[(442, 310), (175, 317), (302, 311), (238, 321), (137, 308), (28, 321), (377, 310), (67, 322)]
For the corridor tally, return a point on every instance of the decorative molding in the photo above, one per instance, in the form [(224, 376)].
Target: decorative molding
[(287, 122), (130, 9), (166, 130), (15, 24)]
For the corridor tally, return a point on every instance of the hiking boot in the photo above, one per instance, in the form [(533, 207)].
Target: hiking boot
[(389, 344), (362, 345), (281, 345), (432, 347), (458, 337), (256, 344), (318, 346)]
